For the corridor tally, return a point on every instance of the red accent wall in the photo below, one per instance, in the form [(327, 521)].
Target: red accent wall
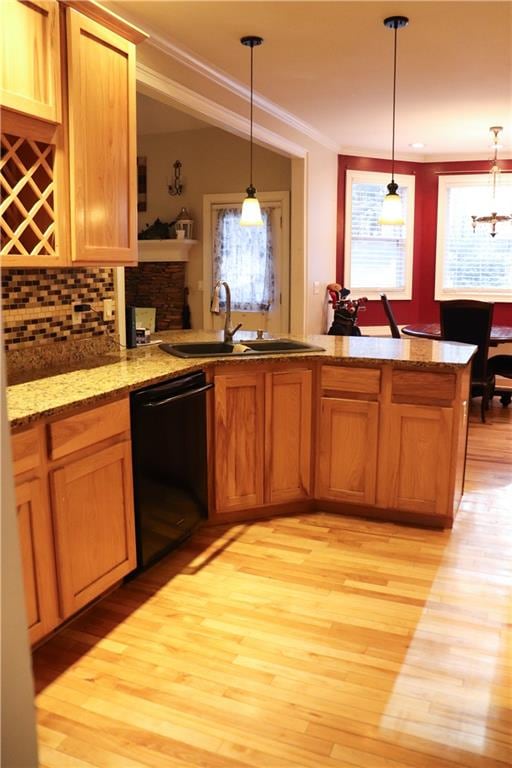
[(422, 308)]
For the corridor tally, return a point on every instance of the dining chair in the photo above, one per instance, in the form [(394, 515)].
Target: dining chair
[(501, 365), (395, 331), (470, 322)]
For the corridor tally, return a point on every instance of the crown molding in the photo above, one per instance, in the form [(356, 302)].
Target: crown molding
[(206, 70), (154, 82)]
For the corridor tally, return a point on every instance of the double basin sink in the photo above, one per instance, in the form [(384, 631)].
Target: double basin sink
[(246, 347)]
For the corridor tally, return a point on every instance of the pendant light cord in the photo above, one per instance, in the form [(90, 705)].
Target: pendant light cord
[(252, 88), (394, 108)]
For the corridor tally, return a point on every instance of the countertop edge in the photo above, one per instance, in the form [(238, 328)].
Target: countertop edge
[(188, 366)]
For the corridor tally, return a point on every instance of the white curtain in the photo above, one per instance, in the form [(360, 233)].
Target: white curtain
[(242, 256)]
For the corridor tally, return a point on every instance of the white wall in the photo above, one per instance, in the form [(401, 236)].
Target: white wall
[(314, 177), (213, 161)]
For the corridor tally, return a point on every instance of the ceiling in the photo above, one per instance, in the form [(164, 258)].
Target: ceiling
[(331, 64)]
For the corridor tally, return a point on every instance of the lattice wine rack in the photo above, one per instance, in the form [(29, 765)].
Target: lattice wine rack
[(27, 211)]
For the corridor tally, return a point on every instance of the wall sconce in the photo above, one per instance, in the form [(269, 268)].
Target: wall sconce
[(176, 188)]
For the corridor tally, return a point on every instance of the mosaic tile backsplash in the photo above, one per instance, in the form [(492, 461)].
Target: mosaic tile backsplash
[(37, 306)]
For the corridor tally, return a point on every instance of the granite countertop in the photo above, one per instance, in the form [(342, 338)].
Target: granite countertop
[(51, 392)]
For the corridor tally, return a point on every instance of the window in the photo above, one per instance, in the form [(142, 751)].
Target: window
[(255, 261), (378, 258), (243, 256), (472, 264)]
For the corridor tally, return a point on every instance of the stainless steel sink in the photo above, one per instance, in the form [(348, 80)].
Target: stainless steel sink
[(242, 347)]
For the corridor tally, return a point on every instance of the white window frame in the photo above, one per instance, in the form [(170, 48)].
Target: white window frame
[(270, 199), (441, 293), (377, 177)]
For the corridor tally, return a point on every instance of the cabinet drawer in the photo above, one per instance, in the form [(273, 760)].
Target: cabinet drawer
[(83, 429), (25, 451), (422, 387), (343, 379)]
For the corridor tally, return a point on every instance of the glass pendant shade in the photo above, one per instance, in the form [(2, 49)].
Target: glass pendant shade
[(391, 212), (251, 211)]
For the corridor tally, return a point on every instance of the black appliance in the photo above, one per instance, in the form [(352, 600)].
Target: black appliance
[(169, 464), (131, 331)]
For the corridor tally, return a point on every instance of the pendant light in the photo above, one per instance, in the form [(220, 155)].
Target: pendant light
[(251, 211), (392, 205), (494, 218)]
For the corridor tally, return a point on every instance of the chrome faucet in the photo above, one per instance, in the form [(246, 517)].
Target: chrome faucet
[(229, 332)]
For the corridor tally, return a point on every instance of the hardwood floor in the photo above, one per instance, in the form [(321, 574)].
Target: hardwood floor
[(311, 641)]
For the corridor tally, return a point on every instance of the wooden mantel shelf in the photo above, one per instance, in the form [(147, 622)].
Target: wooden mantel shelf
[(164, 250)]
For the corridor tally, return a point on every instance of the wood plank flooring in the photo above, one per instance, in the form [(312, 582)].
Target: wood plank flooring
[(310, 642)]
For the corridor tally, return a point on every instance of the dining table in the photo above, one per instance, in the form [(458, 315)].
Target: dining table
[(500, 334)]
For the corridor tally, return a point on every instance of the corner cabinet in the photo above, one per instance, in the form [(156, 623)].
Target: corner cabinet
[(30, 58), (262, 433), (68, 168), (102, 143)]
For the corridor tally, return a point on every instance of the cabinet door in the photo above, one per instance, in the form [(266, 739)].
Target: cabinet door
[(94, 524), (288, 435), (36, 544), (102, 143), (239, 441), (347, 458), (30, 58), (415, 452)]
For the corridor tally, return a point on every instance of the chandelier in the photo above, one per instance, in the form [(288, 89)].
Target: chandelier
[(494, 172)]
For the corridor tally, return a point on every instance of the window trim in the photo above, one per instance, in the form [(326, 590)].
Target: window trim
[(224, 200), (444, 294), (379, 177)]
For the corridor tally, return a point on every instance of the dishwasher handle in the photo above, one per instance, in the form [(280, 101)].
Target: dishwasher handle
[(174, 398)]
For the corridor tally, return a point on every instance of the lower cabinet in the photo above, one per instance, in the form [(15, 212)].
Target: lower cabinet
[(94, 525), (416, 459), (37, 558), (347, 456), (75, 513), (262, 429)]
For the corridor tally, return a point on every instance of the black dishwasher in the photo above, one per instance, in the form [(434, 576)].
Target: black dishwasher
[(169, 464)]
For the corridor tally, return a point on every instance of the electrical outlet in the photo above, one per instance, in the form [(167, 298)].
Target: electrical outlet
[(108, 309), (76, 317)]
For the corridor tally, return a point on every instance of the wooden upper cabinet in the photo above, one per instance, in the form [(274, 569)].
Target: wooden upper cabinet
[(102, 143), (30, 58), (288, 435)]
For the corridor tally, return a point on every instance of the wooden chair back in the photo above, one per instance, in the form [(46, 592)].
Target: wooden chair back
[(470, 322), (395, 331)]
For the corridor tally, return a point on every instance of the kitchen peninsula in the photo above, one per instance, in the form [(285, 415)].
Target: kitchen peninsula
[(370, 426)]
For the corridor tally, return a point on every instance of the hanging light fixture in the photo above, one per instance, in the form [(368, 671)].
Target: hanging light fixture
[(251, 211), (494, 172), (392, 205)]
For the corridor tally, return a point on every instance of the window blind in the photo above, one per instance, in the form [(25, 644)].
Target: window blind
[(378, 253), (473, 259)]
